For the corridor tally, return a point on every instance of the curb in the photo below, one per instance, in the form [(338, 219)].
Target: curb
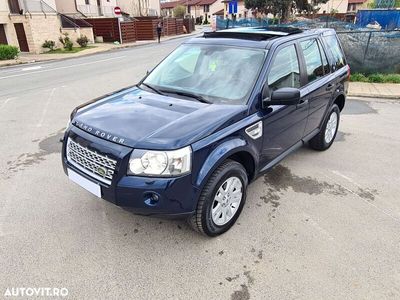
[(103, 51), (392, 97)]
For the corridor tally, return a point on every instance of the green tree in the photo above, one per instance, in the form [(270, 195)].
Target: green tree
[(179, 11), (283, 8), (305, 6)]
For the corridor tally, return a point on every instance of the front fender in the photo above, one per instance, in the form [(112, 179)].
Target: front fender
[(220, 154)]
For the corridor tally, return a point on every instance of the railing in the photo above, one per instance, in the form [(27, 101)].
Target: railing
[(73, 21), (96, 11), (30, 7), (67, 22)]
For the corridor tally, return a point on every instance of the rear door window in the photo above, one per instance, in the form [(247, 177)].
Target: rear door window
[(338, 57), (313, 59), (285, 71)]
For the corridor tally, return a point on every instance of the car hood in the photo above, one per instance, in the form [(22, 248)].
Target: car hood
[(141, 119)]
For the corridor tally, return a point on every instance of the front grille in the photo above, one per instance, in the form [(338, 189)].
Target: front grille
[(92, 163)]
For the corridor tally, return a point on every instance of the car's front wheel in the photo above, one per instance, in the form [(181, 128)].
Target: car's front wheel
[(324, 139), (221, 200)]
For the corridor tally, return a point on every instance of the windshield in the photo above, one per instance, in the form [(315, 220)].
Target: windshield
[(218, 74)]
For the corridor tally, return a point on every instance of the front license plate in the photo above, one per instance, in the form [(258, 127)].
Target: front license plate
[(85, 183)]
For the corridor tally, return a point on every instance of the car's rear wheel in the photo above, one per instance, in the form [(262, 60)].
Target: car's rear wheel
[(221, 200), (324, 139)]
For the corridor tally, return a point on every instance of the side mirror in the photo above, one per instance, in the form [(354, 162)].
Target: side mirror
[(283, 96)]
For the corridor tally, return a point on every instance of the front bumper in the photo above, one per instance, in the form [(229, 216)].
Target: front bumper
[(143, 195)]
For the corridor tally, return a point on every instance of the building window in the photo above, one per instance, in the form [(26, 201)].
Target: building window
[(14, 6), (3, 37), (206, 8), (189, 9), (87, 2)]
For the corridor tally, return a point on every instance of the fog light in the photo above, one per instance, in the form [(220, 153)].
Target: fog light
[(151, 198)]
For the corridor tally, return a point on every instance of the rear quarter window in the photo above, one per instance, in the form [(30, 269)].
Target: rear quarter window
[(333, 45)]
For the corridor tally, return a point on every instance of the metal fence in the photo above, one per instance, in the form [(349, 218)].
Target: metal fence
[(367, 50), (372, 51)]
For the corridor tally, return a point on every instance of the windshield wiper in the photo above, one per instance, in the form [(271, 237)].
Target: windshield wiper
[(152, 88), (188, 94)]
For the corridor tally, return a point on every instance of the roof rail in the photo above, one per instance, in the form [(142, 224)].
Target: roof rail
[(253, 33)]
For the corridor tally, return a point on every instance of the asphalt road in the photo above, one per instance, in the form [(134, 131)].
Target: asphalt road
[(321, 225)]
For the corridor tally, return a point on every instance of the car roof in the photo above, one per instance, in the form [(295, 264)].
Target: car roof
[(256, 37)]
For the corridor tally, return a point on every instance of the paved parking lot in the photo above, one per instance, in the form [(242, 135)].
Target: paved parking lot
[(321, 225)]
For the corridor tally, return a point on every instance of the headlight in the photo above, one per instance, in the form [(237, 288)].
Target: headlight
[(160, 163)]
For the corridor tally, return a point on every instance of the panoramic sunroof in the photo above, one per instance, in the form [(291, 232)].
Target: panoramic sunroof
[(253, 33)]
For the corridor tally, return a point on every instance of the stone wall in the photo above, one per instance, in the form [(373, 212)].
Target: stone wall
[(11, 34), (9, 29), (38, 28), (74, 34), (43, 28)]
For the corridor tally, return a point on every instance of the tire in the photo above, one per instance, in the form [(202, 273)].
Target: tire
[(223, 177), (319, 142)]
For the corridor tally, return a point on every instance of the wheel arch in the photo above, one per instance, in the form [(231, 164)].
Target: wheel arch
[(236, 149), (340, 101)]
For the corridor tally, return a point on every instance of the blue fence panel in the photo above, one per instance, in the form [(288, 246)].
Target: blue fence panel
[(388, 19)]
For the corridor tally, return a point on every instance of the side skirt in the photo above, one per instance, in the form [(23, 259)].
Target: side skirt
[(289, 151), (277, 159)]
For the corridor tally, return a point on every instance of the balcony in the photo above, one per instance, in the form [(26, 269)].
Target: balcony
[(91, 11), (24, 7)]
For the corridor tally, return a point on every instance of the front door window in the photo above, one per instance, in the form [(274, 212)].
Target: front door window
[(285, 70)]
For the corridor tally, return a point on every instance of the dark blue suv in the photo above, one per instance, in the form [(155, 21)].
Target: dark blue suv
[(218, 111)]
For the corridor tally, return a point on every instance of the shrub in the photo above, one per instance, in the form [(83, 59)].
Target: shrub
[(8, 52), (393, 78), (68, 45), (358, 77), (66, 41), (83, 41), (49, 44), (378, 78)]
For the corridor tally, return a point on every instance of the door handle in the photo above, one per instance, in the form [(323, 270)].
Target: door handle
[(302, 103), (330, 86)]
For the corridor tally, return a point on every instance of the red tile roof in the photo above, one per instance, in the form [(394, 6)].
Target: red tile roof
[(171, 4), (206, 2), (191, 2), (356, 1)]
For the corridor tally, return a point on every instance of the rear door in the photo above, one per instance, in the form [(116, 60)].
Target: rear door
[(340, 69), (320, 85)]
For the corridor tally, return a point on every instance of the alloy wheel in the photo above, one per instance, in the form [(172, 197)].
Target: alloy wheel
[(227, 201)]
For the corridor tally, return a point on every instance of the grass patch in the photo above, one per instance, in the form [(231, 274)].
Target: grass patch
[(63, 51), (375, 78)]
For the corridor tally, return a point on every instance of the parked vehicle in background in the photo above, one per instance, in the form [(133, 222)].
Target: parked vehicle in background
[(220, 110)]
